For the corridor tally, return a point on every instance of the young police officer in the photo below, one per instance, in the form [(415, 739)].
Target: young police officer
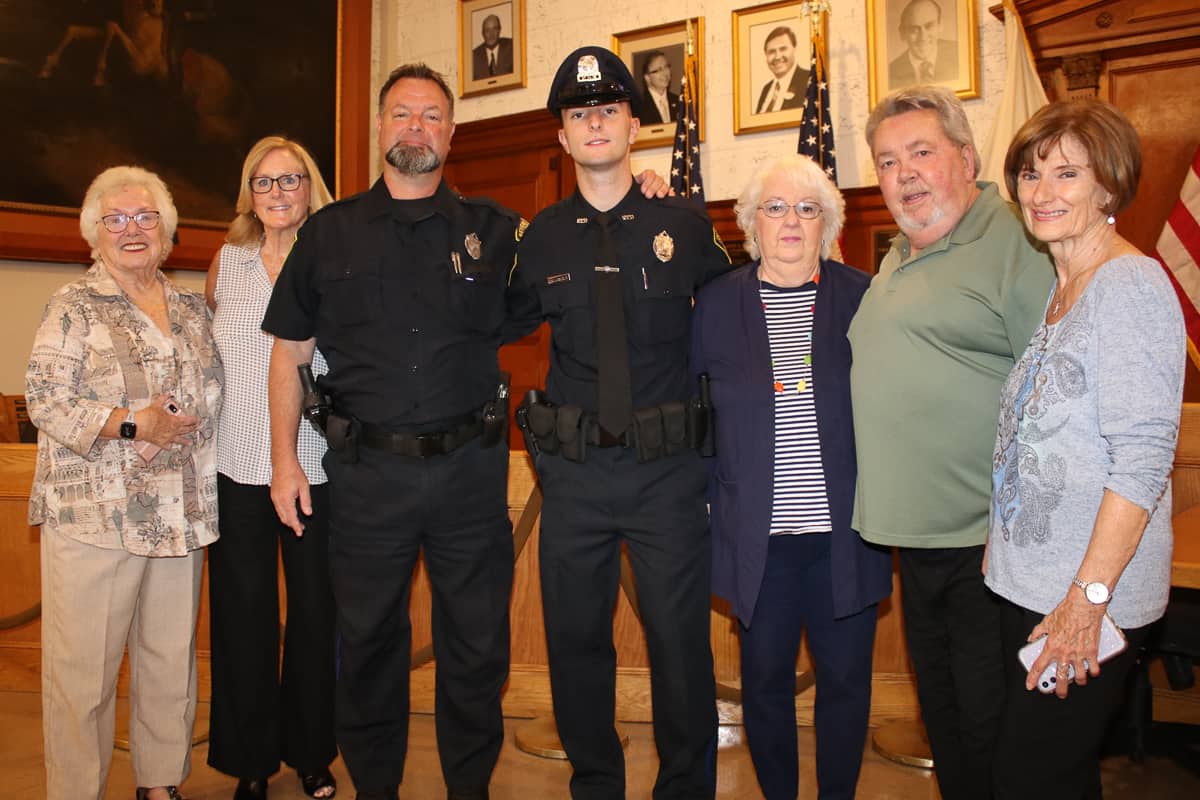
[(614, 274)]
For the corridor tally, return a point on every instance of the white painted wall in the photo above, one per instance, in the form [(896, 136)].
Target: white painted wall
[(418, 30), (426, 30)]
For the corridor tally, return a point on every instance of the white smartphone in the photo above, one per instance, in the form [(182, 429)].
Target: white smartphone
[(1112, 641)]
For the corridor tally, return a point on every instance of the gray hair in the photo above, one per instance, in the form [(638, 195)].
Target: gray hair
[(938, 99), (115, 178), (806, 176)]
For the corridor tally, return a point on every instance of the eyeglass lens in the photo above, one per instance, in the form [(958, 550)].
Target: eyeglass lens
[(290, 182), (117, 223), (779, 209)]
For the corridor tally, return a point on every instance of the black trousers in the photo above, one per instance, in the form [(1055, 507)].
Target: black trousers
[(796, 598), (657, 510), (1050, 747), (453, 509), (952, 624), (263, 712)]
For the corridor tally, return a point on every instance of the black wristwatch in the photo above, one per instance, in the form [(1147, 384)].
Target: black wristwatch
[(129, 427)]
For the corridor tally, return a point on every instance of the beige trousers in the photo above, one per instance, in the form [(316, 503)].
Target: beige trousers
[(94, 602)]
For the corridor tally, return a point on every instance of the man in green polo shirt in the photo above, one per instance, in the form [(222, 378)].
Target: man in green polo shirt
[(953, 306)]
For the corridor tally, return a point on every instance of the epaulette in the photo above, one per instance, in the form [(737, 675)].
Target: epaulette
[(489, 203)]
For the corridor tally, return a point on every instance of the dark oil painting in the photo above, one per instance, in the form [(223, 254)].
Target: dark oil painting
[(181, 87)]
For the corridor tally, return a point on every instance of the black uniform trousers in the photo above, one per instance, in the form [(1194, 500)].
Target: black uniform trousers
[(796, 598), (952, 624), (1050, 747), (657, 509), (262, 713), (453, 509)]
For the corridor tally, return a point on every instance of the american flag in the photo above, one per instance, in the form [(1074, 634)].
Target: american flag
[(1178, 249), (816, 125), (685, 159)]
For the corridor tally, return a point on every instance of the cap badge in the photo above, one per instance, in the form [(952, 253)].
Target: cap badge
[(664, 246), (472, 245), (587, 69)]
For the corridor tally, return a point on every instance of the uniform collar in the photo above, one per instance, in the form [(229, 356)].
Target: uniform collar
[(626, 209), (380, 203)]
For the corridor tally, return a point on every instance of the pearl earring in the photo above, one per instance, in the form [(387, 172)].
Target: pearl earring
[(1111, 220)]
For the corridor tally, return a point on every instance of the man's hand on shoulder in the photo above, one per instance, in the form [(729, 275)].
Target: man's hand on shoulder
[(653, 185)]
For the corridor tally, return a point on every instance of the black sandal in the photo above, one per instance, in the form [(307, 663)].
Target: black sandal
[(315, 784)]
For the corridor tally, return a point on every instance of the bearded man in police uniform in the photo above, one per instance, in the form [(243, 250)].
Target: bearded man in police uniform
[(402, 287), (614, 274)]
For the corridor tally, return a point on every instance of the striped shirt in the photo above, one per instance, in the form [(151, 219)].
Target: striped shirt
[(799, 502), (244, 430)]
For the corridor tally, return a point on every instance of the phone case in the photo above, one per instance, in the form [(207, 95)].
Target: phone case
[(1112, 641), (148, 450)]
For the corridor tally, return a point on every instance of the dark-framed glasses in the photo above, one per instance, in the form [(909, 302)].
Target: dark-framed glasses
[(117, 223), (777, 209), (290, 182)]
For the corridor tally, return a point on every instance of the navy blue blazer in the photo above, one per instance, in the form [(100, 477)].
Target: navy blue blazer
[(729, 342)]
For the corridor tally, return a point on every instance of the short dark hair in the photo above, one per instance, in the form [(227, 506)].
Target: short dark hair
[(419, 72), (1108, 137), (782, 30), (653, 54)]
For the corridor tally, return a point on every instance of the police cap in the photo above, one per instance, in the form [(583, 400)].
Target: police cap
[(592, 76)]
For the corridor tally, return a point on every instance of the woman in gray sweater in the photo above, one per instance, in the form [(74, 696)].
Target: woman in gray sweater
[(1081, 499)]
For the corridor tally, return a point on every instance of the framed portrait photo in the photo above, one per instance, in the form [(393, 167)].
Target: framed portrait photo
[(772, 46), (655, 58), (912, 42), (491, 46)]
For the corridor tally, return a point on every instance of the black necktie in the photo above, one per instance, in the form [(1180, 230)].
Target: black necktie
[(612, 345), (491, 62)]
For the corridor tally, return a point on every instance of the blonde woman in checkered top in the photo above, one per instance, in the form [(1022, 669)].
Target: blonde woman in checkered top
[(261, 713)]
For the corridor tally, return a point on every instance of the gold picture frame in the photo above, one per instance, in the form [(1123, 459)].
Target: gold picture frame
[(758, 105), (501, 69), (669, 42), (943, 30)]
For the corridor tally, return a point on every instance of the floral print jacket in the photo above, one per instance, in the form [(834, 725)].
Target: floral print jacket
[(95, 351)]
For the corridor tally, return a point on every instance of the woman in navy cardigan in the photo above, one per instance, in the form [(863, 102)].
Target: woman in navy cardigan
[(772, 337)]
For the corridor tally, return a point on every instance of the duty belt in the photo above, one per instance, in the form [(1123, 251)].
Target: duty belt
[(422, 445)]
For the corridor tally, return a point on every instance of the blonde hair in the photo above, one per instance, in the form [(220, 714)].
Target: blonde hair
[(114, 179), (806, 176), (246, 228)]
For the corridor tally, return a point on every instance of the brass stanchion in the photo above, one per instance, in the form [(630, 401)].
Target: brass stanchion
[(904, 742)]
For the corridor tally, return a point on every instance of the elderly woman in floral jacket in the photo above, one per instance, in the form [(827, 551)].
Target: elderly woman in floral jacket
[(124, 385)]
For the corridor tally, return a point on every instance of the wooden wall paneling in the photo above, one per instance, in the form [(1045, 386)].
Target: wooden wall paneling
[(868, 223), (1158, 93), (1056, 28)]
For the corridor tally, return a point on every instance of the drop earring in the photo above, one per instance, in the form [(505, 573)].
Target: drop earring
[(1111, 220)]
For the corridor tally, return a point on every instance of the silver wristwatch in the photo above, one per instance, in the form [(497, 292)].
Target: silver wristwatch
[(1096, 592)]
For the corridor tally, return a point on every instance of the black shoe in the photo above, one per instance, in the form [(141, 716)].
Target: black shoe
[(142, 792), (251, 790), (320, 784), (480, 793), (386, 793)]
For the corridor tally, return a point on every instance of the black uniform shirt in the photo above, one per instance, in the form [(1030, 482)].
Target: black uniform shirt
[(666, 250), (405, 299)]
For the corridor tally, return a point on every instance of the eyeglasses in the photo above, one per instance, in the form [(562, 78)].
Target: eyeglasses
[(777, 209), (117, 223), (663, 68), (261, 184)]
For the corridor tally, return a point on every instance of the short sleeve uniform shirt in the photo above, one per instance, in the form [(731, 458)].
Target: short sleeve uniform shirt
[(405, 298)]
